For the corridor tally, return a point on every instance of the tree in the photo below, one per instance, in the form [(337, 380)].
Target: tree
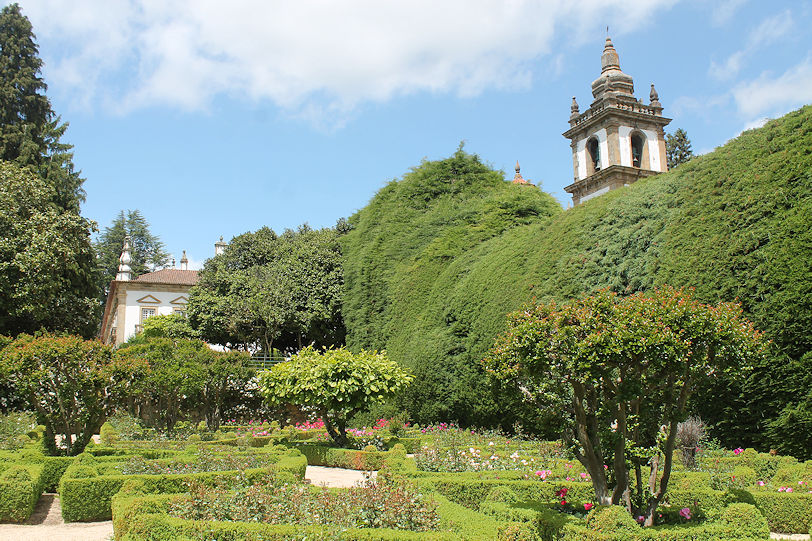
[(677, 148), (174, 326), (72, 384), (272, 292), (147, 251), (336, 382), (47, 277), (169, 374), (629, 366), (30, 132), (182, 378)]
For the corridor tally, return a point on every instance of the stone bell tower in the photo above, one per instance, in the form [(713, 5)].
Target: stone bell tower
[(618, 139)]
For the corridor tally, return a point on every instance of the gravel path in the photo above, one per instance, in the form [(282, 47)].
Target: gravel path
[(46, 524), (335, 477)]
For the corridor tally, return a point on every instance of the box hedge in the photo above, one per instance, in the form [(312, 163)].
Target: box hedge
[(21, 485), (89, 498)]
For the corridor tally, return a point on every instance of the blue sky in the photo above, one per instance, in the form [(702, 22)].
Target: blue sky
[(216, 118)]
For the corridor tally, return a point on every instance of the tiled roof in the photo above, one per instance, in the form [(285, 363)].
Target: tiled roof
[(170, 276)]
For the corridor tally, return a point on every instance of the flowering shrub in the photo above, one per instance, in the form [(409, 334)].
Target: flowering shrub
[(382, 503)]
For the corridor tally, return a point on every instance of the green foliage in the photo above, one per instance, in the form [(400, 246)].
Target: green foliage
[(400, 279), (335, 382), (269, 291), (631, 364), (677, 148), (30, 131), (20, 488), (46, 261), (734, 224), (179, 377), (746, 520), (108, 434), (14, 428), (147, 251), (174, 326), (71, 383)]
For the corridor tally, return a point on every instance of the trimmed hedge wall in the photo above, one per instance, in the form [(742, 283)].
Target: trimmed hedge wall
[(21, 485), (142, 518), (89, 498)]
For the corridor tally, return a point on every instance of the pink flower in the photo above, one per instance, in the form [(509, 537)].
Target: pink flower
[(685, 513), (588, 506), (761, 483), (583, 476), (641, 519), (738, 451), (562, 493)]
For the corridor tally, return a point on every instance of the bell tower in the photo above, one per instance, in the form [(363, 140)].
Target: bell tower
[(618, 139)]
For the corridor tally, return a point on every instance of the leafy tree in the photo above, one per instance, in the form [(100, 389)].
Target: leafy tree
[(147, 251), (272, 292), (174, 326), (630, 365), (336, 382), (180, 378), (169, 377), (30, 132), (47, 275), (677, 148), (72, 384)]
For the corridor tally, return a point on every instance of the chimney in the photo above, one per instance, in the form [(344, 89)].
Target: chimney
[(125, 273), (184, 261), (220, 246)]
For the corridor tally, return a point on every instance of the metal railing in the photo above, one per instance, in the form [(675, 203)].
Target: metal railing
[(264, 362)]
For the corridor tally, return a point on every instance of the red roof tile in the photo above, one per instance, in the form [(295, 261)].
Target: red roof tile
[(169, 276)]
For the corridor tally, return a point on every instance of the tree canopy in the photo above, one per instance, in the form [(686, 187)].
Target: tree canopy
[(272, 292), (148, 253), (336, 383), (47, 278), (72, 385), (30, 132), (630, 365), (677, 148)]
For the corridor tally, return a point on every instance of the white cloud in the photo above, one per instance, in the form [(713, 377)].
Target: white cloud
[(770, 95), (316, 58), (724, 11), (769, 31)]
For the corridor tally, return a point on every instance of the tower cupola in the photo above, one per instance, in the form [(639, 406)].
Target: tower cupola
[(618, 139)]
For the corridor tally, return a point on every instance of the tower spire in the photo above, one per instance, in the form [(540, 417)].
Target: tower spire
[(125, 273)]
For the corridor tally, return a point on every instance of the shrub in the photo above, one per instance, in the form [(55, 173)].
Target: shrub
[(745, 520), (20, 488), (108, 434), (15, 428), (611, 519)]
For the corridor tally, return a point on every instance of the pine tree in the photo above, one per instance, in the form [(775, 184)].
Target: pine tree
[(147, 251), (677, 148), (30, 131)]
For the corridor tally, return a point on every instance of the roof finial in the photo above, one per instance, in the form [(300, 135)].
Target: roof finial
[(517, 167), (609, 58), (654, 97), (574, 110), (125, 273), (184, 261)]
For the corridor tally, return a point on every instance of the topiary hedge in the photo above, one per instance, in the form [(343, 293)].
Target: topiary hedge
[(143, 517), (20, 488), (88, 498)]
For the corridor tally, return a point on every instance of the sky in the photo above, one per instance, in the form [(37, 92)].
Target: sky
[(217, 118)]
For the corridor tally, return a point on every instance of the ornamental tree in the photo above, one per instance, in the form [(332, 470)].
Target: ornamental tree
[(71, 383), (335, 382), (628, 366)]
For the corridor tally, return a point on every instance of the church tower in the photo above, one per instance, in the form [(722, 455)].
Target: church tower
[(618, 139)]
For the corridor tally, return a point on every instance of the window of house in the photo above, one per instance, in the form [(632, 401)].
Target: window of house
[(147, 313), (180, 311)]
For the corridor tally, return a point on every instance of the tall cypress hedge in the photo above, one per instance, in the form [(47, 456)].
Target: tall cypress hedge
[(437, 259)]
